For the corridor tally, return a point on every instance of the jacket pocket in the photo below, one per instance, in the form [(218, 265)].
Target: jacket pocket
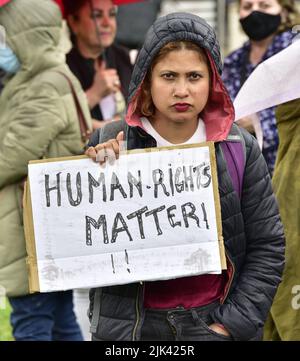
[(216, 335)]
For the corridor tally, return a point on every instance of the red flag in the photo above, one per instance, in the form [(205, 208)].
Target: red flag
[(3, 2), (61, 3)]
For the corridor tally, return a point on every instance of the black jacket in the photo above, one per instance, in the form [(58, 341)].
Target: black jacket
[(254, 244), (252, 230), (116, 56)]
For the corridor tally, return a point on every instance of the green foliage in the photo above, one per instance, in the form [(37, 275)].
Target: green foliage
[(5, 329)]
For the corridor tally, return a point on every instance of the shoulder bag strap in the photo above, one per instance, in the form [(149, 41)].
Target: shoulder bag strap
[(84, 129)]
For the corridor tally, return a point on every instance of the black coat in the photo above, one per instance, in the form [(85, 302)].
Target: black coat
[(117, 57), (252, 230), (254, 245)]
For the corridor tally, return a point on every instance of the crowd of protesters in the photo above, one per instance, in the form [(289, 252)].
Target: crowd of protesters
[(177, 92)]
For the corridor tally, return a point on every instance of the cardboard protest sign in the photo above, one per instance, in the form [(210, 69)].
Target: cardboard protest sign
[(154, 214)]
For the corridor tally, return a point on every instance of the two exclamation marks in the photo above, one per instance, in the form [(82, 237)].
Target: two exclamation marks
[(126, 260)]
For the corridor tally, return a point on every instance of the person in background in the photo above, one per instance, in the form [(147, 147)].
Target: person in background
[(176, 97), (38, 119), (102, 67), (283, 323), (268, 25)]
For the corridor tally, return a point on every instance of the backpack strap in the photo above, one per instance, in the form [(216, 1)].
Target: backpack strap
[(235, 135), (234, 152)]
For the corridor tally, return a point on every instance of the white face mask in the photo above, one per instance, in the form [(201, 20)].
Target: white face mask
[(8, 60)]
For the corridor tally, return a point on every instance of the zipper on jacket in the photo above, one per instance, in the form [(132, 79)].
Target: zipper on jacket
[(137, 300), (227, 288)]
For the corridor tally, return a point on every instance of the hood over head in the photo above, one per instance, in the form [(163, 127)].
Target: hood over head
[(33, 30), (218, 114)]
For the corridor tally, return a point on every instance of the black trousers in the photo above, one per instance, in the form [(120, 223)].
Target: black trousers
[(180, 324)]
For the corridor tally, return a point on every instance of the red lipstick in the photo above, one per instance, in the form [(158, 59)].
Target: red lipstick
[(182, 107)]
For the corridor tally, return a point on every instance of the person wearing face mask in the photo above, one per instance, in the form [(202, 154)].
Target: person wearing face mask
[(9, 63), (102, 67), (268, 24), (38, 119)]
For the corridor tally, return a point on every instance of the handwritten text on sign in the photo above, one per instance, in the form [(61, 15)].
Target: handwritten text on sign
[(149, 216)]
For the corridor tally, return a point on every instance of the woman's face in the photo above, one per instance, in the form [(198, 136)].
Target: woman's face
[(271, 7), (104, 14), (180, 86)]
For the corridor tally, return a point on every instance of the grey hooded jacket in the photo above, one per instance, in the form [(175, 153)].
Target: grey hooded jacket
[(252, 231)]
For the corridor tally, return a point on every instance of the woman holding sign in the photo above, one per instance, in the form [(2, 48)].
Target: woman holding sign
[(177, 97)]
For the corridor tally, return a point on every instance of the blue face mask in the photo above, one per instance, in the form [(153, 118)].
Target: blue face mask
[(8, 60)]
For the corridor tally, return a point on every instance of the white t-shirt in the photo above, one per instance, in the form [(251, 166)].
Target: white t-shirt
[(198, 137)]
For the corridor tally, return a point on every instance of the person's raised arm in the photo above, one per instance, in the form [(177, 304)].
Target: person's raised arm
[(106, 81)]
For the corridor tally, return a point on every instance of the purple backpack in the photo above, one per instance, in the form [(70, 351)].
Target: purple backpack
[(234, 152)]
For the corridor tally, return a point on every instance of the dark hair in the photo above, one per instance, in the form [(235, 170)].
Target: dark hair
[(73, 6), (292, 13), (146, 105)]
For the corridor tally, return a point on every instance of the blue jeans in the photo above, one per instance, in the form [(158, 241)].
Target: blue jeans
[(179, 324), (44, 317)]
